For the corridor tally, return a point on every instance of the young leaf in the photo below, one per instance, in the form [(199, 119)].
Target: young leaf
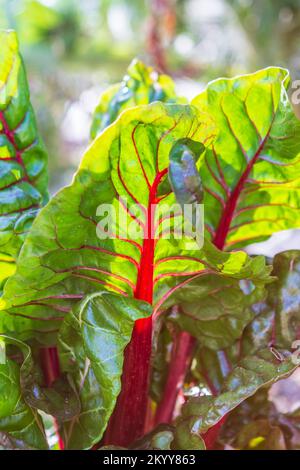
[(20, 426), (60, 400), (92, 340), (23, 159), (251, 173), (141, 85), (183, 174)]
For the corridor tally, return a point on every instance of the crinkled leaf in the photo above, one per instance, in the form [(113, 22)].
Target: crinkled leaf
[(284, 297), (260, 435), (92, 340), (263, 354), (60, 400), (251, 173), (216, 309), (23, 159), (252, 372), (141, 85), (20, 426), (275, 322)]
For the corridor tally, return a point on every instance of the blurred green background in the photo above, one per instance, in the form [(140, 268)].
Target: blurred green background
[(73, 49)]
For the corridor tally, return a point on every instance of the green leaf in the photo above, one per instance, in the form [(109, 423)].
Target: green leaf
[(284, 297), (20, 426), (200, 414), (92, 340), (251, 173), (63, 259), (141, 85), (278, 320), (60, 400), (23, 159)]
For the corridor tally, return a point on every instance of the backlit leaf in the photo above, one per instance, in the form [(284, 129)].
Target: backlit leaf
[(141, 85), (23, 160), (251, 173)]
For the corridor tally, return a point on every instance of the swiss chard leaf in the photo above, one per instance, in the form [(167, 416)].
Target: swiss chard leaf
[(251, 173), (20, 426), (92, 340), (141, 85), (63, 259), (23, 159), (216, 309)]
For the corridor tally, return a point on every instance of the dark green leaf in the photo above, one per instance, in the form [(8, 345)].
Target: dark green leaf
[(63, 259), (216, 309), (92, 342), (259, 409), (20, 426), (60, 400)]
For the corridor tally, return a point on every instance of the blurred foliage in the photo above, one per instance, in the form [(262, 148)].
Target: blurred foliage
[(258, 425), (74, 50)]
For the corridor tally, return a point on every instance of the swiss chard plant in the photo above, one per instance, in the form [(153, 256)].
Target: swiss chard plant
[(124, 323)]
